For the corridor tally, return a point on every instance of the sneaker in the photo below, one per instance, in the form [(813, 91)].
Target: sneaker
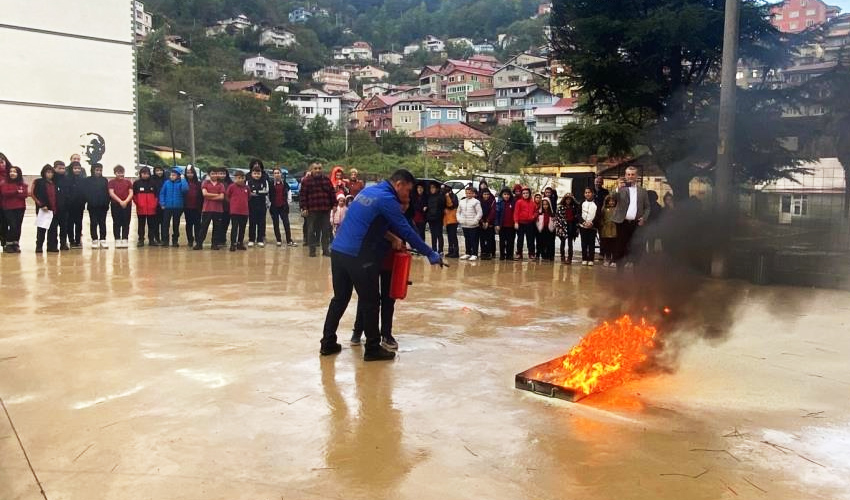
[(251, 244), (465, 257), (613, 265), (590, 263), (473, 257), (356, 339), (260, 244), (292, 244), (104, 244), (389, 343), (279, 243), (378, 354), (331, 349), (232, 248)]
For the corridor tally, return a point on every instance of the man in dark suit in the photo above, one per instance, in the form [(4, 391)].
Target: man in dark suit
[(633, 210)]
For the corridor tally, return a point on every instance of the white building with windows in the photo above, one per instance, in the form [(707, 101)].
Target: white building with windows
[(312, 103), (410, 49), (819, 196), (433, 44), (333, 79), (390, 58), (358, 51), (546, 123), (277, 37), (236, 24), (143, 21), (270, 69)]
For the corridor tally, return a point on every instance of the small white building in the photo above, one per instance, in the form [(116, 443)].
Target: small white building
[(546, 123), (270, 69), (410, 49), (390, 58), (433, 44), (177, 48), (484, 48), (277, 37), (233, 25), (461, 41), (358, 51), (143, 20), (312, 103)]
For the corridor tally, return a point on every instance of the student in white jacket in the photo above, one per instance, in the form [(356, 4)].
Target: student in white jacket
[(468, 216), (586, 227)]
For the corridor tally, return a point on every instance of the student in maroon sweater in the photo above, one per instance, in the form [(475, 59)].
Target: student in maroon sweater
[(213, 209), (121, 198), (13, 200), (237, 196), (4, 165), (45, 194), (279, 199), (192, 204)]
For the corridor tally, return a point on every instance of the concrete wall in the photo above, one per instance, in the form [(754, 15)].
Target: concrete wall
[(73, 68)]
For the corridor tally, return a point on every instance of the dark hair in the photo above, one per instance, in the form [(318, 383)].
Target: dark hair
[(5, 159), (144, 170), (256, 163), (20, 178), (57, 163), (402, 175), (118, 168), (96, 165), (506, 190), (591, 189), (45, 169), (239, 174), (75, 164)]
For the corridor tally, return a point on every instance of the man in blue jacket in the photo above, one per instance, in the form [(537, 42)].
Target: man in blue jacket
[(356, 254), (171, 196)]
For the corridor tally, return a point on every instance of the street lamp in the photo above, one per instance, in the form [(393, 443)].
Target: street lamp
[(192, 108)]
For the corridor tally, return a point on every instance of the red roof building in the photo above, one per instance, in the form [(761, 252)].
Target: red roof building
[(794, 16)]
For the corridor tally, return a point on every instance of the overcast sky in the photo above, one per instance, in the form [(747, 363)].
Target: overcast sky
[(844, 4)]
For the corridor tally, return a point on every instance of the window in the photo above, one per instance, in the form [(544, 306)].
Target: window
[(309, 110), (519, 102), (435, 114), (405, 119), (793, 26), (501, 102), (810, 22), (794, 14), (795, 204), (451, 79), (326, 99), (452, 114), (513, 78), (327, 111), (777, 17), (811, 12), (474, 78)]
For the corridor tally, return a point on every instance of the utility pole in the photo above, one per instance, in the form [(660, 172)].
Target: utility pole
[(726, 129), (192, 129)]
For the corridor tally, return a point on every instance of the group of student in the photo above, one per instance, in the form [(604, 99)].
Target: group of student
[(62, 193), (524, 222)]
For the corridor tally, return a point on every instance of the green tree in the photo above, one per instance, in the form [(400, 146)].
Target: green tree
[(397, 143), (648, 73)]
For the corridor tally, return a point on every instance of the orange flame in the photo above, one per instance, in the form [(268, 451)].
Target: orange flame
[(606, 357)]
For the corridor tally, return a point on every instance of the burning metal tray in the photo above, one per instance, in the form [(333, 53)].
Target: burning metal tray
[(526, 381)]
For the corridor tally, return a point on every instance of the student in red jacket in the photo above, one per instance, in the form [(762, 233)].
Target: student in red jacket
[(13, 200), (237, 196), (45, 193), (213, 209), (146, 198), (525, 217)]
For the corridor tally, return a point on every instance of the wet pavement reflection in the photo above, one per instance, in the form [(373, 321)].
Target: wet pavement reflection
[(173, 374)]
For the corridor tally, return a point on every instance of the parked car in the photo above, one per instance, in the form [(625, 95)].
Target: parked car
[(292, 182), (459, 185)]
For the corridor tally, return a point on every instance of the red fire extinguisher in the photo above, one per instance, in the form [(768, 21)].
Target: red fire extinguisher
[(400, 274)]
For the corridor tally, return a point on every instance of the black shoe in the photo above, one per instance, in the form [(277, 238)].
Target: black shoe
[(191, 243), (38, 250), (215, 247), (326, 254), (232, 248), (389, 343), (140, 244), (153, 243), (52, 250), (378, 354), (312, 252), (197, 247), (63, 247), (331, 349), (175, 244), (241, 247)]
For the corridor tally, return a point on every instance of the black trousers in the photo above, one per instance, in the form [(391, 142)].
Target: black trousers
[(527, 232), (120, 221), (51, 234), (97, 223), (150, 222), (12, 221), (506, 242), (171, 217), (62, 221), (546, 245), (436, 230), (624, 249), (281, 214), (360, 274), (217, 220), (3, 227), (588, 243), (386, 304), (470, 240), (237, 229), (488, 241), (451, 234), (606, 247), (222, 236), (193, 225), (257, 223), (75, 223), (420, 229), (156, 220), (319, 225)]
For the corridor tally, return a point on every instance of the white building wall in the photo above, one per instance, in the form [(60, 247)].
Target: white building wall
[(52, 117)]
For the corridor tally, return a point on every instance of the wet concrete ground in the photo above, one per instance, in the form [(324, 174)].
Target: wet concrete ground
[(171, 374)]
